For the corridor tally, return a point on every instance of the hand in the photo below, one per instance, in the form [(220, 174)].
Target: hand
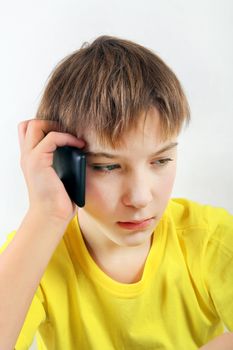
[(222, 342), (47, 195)]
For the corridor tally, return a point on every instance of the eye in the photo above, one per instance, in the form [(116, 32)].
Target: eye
[(104, 168), (162, 162)]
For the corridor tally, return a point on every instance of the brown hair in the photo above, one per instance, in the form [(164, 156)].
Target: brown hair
[(106, 85)]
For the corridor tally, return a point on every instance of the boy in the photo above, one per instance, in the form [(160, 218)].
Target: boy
[(132, 269)]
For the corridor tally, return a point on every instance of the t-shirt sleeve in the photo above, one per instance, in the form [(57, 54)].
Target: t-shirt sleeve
[(218, 267), (36, 314)]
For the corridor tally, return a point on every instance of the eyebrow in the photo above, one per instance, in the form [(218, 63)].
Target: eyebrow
[(114, 156)]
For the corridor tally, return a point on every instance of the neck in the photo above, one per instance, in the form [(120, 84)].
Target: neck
[(124, 264)]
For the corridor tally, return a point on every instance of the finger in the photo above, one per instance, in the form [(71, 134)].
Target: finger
[(57, 139), (22, 128), (37, 130)]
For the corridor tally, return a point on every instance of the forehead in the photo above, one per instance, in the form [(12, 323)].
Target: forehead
[(145, 133)]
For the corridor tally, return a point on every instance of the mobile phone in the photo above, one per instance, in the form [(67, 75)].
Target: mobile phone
[(70, 165)]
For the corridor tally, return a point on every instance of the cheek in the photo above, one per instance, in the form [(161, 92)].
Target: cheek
[(169, 180), (166, 183), (100, 193)]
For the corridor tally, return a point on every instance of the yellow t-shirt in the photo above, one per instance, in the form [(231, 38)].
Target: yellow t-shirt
[(181, 302)]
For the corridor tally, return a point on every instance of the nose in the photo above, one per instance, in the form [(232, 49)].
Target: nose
[(137, 191)]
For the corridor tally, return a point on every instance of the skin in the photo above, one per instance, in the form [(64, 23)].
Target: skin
[(223, 342), (139, 188)]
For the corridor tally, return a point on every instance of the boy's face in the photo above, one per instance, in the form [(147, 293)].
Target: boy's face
[(128, 184)]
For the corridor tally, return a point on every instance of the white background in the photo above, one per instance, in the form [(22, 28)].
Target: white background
[(193, 37)]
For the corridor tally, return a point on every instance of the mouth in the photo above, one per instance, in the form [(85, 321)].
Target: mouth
[(136, 224)]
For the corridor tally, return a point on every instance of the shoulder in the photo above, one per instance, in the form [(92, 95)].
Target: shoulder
[(201, 225), (186, 213)]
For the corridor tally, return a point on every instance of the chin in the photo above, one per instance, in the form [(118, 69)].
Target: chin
[(136, 239)]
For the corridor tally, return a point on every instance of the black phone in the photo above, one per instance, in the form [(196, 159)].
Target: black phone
[(70, 165)]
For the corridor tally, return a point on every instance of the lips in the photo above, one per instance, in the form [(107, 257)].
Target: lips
[(136, 221), (135, 224)]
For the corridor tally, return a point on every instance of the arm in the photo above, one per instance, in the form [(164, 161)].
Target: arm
[(21, 270), (24, 261), (223, 342)]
